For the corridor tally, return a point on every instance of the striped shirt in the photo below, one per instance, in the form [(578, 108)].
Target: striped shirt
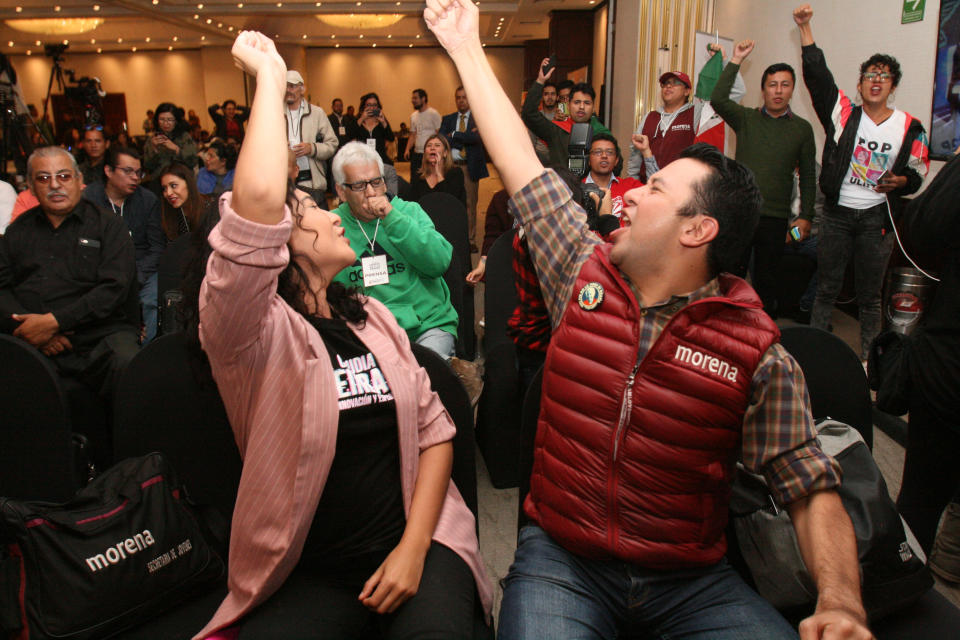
[(778, 438)]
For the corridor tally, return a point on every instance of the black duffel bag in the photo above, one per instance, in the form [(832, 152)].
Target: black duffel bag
[(125, 548), (892, 574)]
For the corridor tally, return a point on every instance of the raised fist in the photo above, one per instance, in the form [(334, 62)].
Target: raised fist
[(802, 14)]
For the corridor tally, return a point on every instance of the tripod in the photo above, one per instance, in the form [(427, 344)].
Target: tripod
[(55, 52)]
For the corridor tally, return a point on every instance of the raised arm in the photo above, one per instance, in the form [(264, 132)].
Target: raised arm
[(802, 15), (260, 181), (721, 100), (455, 24)]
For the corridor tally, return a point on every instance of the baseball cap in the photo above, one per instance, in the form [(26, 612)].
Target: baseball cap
[(679, 75), (294, 77)]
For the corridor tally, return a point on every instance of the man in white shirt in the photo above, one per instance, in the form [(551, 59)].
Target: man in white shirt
[(424, 122)]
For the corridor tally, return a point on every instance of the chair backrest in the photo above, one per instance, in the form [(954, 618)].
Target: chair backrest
[(498, 415), (528, 435), (500, 294), (457, 403), (167, 401), (835, 377), (449, 216), (36, 448)]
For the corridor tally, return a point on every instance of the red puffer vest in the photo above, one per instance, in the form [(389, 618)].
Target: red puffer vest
[(634, 460)]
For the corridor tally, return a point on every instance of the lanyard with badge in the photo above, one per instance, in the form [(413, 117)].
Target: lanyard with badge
[(374, 267)]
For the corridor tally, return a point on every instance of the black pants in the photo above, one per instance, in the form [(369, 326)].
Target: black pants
[(767, 248), (931, 472), (416, 159), (316, 606)]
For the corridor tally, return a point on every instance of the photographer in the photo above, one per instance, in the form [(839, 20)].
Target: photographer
[(603, 159)]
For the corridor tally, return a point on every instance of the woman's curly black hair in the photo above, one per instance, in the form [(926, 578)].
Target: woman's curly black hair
[(345, 303)]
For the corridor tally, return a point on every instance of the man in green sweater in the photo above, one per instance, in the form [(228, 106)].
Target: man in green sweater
[(774, 142), (401, 258), (556, 134)]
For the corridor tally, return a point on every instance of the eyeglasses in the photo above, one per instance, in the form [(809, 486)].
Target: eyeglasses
[(130, 171), (871, 76), (166, 119), (93, 127), (604, 152), (672, 82), (361, 185), (63, 177)]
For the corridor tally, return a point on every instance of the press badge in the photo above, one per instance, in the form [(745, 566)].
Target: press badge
[(372, 143), (374, 270), (343, 130)]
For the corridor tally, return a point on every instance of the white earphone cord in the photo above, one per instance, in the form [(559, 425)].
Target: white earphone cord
[(900, 244)]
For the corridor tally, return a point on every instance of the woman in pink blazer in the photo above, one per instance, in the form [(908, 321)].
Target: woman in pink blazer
[(346, 523)]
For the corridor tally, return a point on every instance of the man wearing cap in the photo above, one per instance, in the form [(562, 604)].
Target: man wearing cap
[(667, 131), (310, 136)]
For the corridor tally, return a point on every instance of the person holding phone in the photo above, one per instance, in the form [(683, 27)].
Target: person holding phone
[(170, 141), (873, 155), (373, 128)]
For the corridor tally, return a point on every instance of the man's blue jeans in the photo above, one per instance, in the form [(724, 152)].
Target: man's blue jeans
[(551, 593), (148, 305)]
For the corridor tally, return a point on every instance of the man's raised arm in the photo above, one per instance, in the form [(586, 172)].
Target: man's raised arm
[(505, 138)]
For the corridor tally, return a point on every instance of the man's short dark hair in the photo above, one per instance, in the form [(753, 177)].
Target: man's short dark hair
[(460, 88), (421, 93), (116, 150), (777, 68), (94, 130), (882, 59), (550, 83), (335, 100), (583, 87), (730, 196), (226, 152), (229, 101), (565, 84)]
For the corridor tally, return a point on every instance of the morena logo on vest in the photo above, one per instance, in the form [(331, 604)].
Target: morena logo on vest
[(702, 361)]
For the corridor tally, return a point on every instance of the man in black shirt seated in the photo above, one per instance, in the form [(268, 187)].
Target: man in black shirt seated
[(67, 275)]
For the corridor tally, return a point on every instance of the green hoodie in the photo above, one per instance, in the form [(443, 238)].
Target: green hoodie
[(417, 258)]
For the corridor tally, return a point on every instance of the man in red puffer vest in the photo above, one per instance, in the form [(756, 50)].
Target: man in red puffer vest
[(662, 370)]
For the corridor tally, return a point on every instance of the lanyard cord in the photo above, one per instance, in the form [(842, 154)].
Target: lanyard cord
[(369, 241), (186, 223), (114, 207)]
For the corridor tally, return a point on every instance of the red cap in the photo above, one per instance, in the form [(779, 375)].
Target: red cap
[(679, 75)]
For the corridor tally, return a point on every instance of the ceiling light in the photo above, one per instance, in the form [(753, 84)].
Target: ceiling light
[(230, 28), (170, 48), (134, 49), (203, 37), (389, 36), (19, 9), (55, 26), (10, 44), (279, 4), (92, 41), (209, 20), (56, 8), (156, 1), (239, 5), (319, 4), (96, 7), (360, 20), (219, 25), (200, 6), (38, 43), (304, 36), (29, 53), (66, 42), (410, 45), (361, 36), (336, 46), (99, 50), (374, 45), (175, 38), (418, 36), (196, 16), (119, 40)]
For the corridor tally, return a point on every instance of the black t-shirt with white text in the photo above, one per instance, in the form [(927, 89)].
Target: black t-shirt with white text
[(360, 518)]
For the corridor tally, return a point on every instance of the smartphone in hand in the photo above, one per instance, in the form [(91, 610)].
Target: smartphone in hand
[(551, 63)]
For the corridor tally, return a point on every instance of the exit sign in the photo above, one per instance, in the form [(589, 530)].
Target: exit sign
[(912, 11)]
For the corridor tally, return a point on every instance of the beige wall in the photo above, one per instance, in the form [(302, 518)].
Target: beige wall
[(848, 35), (197, 78), (395, 73), (599, 68)]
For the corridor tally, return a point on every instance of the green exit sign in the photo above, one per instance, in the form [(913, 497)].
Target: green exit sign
[(912, 11)]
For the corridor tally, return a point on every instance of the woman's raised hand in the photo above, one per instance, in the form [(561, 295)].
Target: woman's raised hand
[(253, 52), (454, 22)]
